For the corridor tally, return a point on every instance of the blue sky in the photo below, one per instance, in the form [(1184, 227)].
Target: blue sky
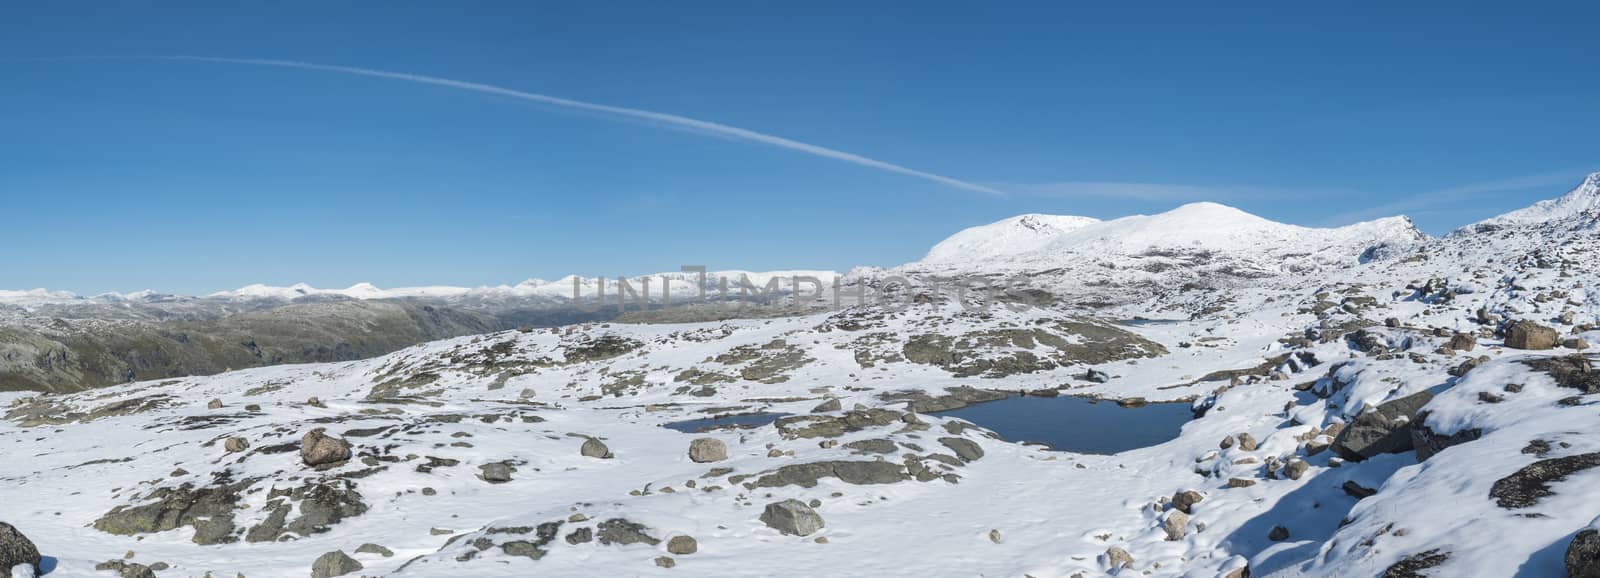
[(184, 176)]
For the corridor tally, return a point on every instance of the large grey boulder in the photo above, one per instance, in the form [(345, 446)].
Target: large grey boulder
[(594, 448), (1529, 335), (792, 517), (335, 563), (16, 549), (1385, 429), (706, 450), (317, 448)]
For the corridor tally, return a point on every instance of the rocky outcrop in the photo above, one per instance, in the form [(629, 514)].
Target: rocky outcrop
[(1385, 429), (1583, 554), (1571, 371), (850, 472), (1427, 442), (1528, 485)]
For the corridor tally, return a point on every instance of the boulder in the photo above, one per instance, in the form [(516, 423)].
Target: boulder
[(828, 406), (236, 444), (1278, 534), (706, 450), (623, 531), (1296, 468), (318, 448), (495, 473), (1583, 554), (1118, 558), (1463, 342), (1529, 335), (335, 563), (1175, 525), (1247, 442), (16, 549), (1185, 500), (792, 517), (1575, 343), (594, 448), (215, 404), (1385, 429), (683, 545)]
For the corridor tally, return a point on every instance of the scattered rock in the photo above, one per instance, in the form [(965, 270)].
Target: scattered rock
[(1357, 491), (995, 536), (594, 448), (623, 531), (705, 450), (1463, 342), (1240, 482), (495, 473), (792, 517), (335, 563), (1278, 534), (1247, 442), (1296, 468), (665, 561), (318, 449), (370, 548), (215, 404), (1118, 558), (16, 549), (236, 445), (683, 545), (1175, 525), (1570, 371), (1226, 443), (1185, 500), (1529, 335)]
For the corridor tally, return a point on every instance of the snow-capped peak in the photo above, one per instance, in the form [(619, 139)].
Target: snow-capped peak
[(1012, 236), (1583, 201)]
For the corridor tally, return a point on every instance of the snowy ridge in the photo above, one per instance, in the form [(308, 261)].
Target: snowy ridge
[(1581, 202)]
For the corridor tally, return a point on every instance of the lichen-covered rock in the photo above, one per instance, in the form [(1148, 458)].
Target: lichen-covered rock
[(1583, 554), (683, 545), (1530, 484), (792, 517), (16, 549), (236, 444)]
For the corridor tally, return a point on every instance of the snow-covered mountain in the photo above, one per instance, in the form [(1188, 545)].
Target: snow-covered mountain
[(1039, 242), (1367, 402)]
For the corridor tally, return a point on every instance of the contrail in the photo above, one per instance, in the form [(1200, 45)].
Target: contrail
[(707, 127)]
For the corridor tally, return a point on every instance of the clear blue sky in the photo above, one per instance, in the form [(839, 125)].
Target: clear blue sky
[(118, 175)]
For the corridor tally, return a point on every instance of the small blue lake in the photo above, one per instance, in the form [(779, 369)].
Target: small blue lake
[(1077, 424), (740, 421)]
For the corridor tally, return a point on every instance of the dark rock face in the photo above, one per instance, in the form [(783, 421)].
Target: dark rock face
[(792, 517), (1530, 484), (622, 531), (1573, 371), (1383, 430), (1529, 335), (1583, 555), (16, 549), (335, 563), (850, 472), (319, 449), (1427, 442), (1413, 565)]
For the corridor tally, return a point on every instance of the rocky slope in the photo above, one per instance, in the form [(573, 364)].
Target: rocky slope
[(1368, 403)]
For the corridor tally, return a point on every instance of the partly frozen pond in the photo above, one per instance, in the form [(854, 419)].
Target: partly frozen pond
[(1077, 424), (746, 420)]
